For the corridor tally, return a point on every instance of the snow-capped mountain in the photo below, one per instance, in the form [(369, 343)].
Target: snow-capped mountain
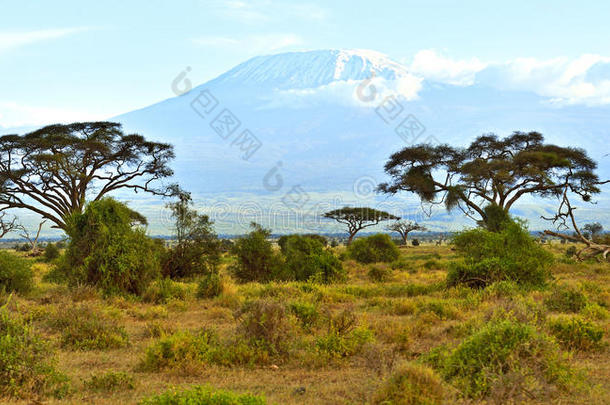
[(280, 138)]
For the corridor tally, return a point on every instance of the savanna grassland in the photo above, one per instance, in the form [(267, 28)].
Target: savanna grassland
[(388, 333)]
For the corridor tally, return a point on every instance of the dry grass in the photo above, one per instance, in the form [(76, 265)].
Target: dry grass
[(409, 313)]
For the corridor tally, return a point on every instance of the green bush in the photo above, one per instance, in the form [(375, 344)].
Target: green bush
[(106, 251), (306, 259), (306, 313), (256, 259), (411, 384), (565, 298), (200, 395), (164, 290), (85, 327), (283, 240), (344, 336), (571, 251), (511, 254), (26, 370), (504, 359), (110, 382), (51, 252), (576, 333), (379, 273), (15, 273), (209, 286), (374, 249), (415, 242)]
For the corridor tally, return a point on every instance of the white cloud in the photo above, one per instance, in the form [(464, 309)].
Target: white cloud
[(11, 40), (431, 65), (581, 80), (14, 115), (254, 44)]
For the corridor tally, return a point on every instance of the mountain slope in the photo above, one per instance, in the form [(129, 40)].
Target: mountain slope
[(318, 121)]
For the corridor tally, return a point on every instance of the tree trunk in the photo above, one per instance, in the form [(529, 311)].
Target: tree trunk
[(351, 237)]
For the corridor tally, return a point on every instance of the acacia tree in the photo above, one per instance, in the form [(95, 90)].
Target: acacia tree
[(358, 218), (55, 170), (491, 171), (404, 227)]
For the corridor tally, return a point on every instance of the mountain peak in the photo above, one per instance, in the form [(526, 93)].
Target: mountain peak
[(310, 69)]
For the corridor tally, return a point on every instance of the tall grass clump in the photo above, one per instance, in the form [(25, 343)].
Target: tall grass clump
[(411, 384), (26, 368), (202, 395), (15, 273)]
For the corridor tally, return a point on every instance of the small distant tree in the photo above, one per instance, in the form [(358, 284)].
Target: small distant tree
[(593, 230), (358, 218), (404, 227), (197, 248)]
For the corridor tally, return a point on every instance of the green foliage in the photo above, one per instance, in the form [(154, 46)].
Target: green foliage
[(571, 251), (107, 252), (379, 273), (209, 286), (306, 313), (15, 273), (496, 218), (256, 259), (576, 333), (511, 254), (501, 355), (164, 290), (282, 241), (411, 384), (85, 327), (51, 252), (110, 382), (197, 249), (565, 298), (373, 249), (307, 259), (415, 242), (26, 370), (344, 336), (201, 395)]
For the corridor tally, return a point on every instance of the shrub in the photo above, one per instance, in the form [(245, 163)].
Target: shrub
[(576, 333), (504, 359), (84, 327), (379, 273), (266, 323), (164, 290), (110, 382), (411, 384), (51, 252), (283, 240), (180, 349), (209, 286), (197, 249), (565, 298), (432, 264), (571, 251), (26, 369), (15, 273), (373, 249), (344, 337), (256, 260), (107, 252), (415, 242), (306, 313), (201, 395), (511, 254), (306, 259)]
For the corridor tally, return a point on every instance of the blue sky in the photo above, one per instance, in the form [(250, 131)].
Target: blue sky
[(69, 60)]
